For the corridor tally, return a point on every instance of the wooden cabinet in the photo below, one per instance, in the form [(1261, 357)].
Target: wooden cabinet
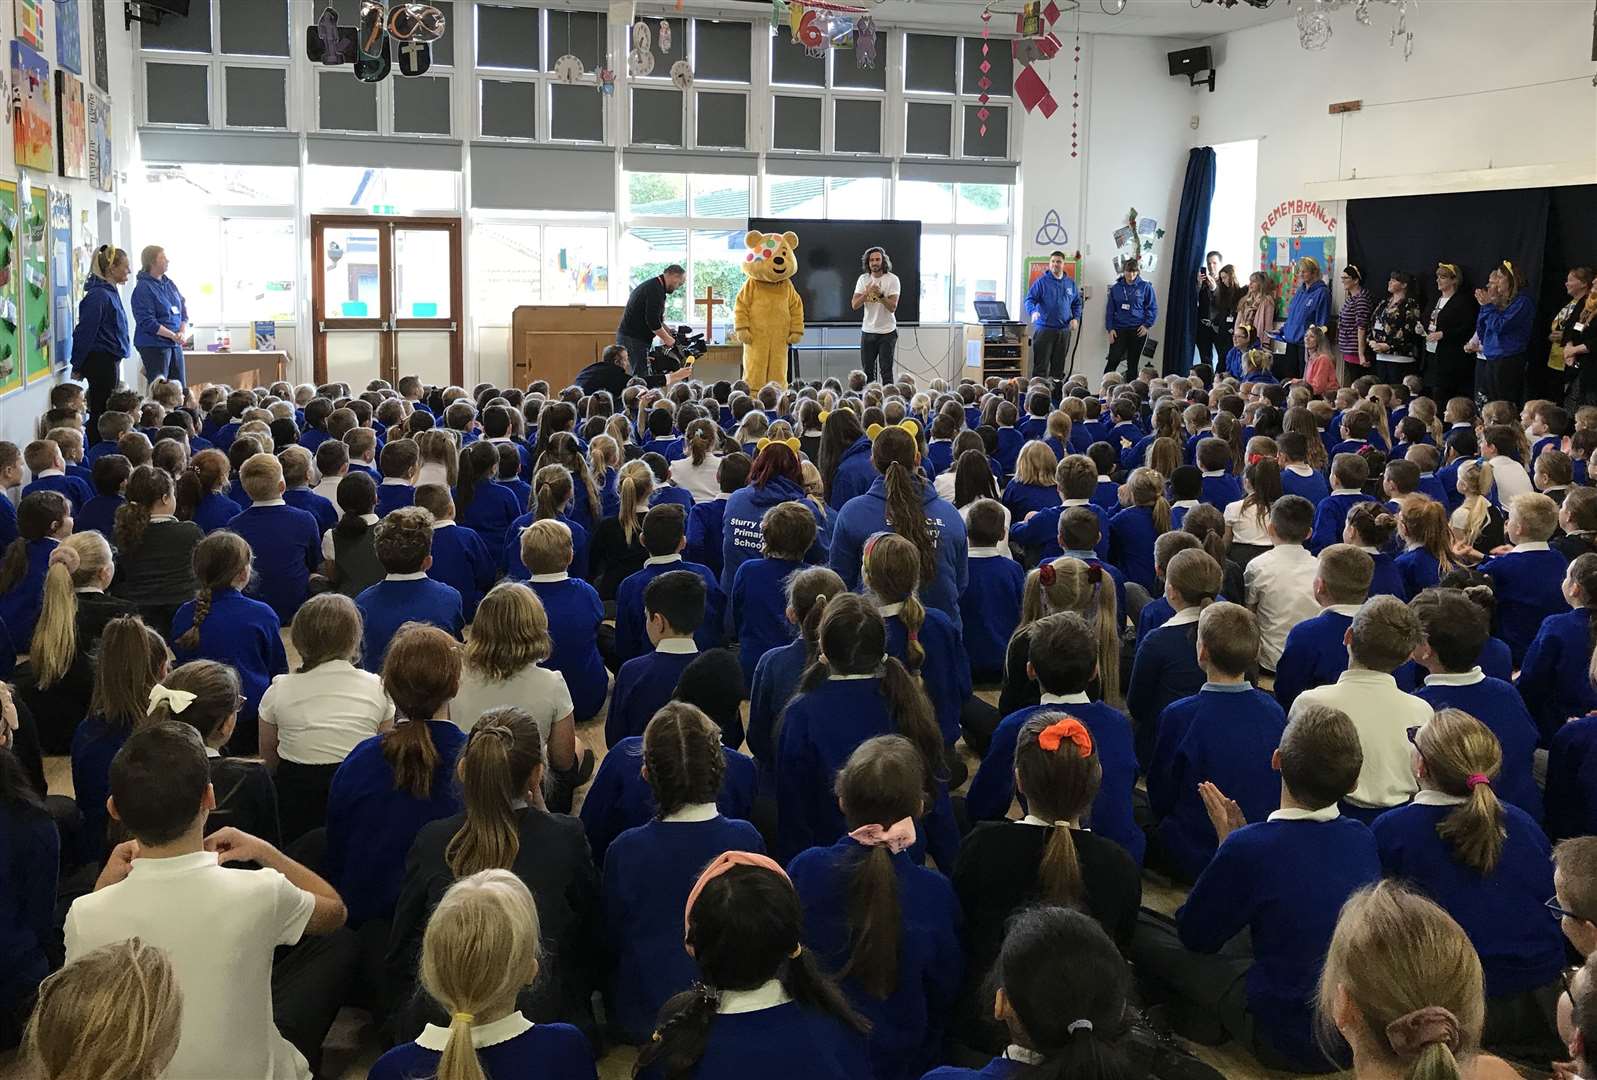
[(554, 342), (1005, 358)]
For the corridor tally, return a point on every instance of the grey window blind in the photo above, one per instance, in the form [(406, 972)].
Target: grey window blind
[(657, 117), (507, 37), (191, 33), (797, 123), (926, 128), (857, 126), (929, 63), (576, 113), (256, 97), (509, 109), (995, 144), (421, 106), (254, 27), (176, 93), (346, 104), (722, 119), (722, 51)]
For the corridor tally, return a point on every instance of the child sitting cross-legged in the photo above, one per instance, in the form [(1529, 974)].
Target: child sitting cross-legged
[(758, 596), (1527, 580), (990, 606), (1166, 666), (1062, 660), (576, 615), (1280, 582), (286, 539), (1455, 631), (460, 559), (404, 546), (1314, 654), (1283, 880), (674, 608), (663, 536), (1224, 735)]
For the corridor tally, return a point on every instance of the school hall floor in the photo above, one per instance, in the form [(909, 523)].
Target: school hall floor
[(352, 1045)]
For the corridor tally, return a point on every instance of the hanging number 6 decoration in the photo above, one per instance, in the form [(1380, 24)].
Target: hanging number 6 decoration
[(809, 32), (682, 74), (568, 69), (416, 22)]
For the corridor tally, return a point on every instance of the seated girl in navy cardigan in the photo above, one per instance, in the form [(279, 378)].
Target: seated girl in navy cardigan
[(1554, 680), (481, 947), (1489, 865), (777, 675), (32, 945), (925, 640), (1135, 527), (900, 948), (44, 519), (762, 1005), (649, 869), (1033, 487), (223, 624), (990, 605), (759, 617)]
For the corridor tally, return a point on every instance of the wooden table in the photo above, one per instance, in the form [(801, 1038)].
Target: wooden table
[(243, 369)]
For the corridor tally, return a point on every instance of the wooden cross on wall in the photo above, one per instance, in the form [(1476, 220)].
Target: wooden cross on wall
[(708, 302)]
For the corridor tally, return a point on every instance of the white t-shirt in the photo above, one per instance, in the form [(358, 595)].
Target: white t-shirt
[(324, 713), (878, 320), (1245, 527), (538, 690), (219, 925), (698, 480)]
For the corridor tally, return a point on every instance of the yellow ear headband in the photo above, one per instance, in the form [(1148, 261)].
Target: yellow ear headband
[(824, 414), (907, 425), (791, 444)]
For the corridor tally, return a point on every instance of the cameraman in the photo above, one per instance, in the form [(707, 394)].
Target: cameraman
[(609, 373), (644, 317)]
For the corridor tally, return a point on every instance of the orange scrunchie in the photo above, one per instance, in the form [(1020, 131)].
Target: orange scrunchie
[(720, 865), (1052, 737)]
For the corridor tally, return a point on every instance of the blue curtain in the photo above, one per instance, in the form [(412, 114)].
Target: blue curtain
[(1192, 231)]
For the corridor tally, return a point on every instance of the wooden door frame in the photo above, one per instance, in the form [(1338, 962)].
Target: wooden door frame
[(387, 325)]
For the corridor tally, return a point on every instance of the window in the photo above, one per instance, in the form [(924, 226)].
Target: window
[(719, 196), (981, 266), (261, 258), (796, 123), (577, 264), (657, 117), (509, 109), (344, 103), (576, 113), (856, 197), (1000, 67), (518, 49), (942, 90), (240, 46), (256, 97), (857, 126), (508, 37), (647, 252), (722, 119), (190, 34), (842, 112), (929, 63), (721, 51), (178, 188), (716, 263), (393, 191), (656, 195), (506, 268), (579, 34), (983, 204), (795, 196), (421, 106), (994, 143), (791, 65), (253, 27), (714, 210), (177, 93), (936, 265), (926, 129), (713, 111), (933, 202), (965, 246)]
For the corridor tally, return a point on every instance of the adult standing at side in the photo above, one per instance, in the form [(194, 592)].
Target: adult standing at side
[(1211, 346), (1227, 296), (1128, 316), (160, 319), (100, 340), (1256, 307), (1397, 330), (1353, 325), (1053, 305), (1448, 368), (1577, 283), (1310, 306), (876, 292), (1502, 334), (644, 317)]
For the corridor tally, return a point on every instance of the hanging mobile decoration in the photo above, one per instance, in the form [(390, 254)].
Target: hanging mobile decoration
[(1075, 93), (605, 82), (865, 42), (640, 61), (682, 74), (664, 37), (569, 69), (1314, 22), (984, 83)]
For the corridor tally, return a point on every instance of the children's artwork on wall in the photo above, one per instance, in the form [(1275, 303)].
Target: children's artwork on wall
[(1037, 266), (102, 169), (1138, 239), (1284, 238), (10, 317), (72, 130), (102, 65), (32, 130), (68, 44), (63, 309), (34, 288), (30, 23)]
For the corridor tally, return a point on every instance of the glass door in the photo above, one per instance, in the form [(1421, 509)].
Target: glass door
[(386, 299)]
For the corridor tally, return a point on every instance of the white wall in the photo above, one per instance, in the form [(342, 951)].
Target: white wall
[(20, 410)]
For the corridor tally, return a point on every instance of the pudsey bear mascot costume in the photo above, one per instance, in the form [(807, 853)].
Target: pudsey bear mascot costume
[(768, 315)]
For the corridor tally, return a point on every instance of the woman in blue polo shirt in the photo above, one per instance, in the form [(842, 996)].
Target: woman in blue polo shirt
[(1310, 306), (1502, 334), (160, 318)]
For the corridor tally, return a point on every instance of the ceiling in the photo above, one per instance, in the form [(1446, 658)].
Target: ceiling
[(1151, 18)]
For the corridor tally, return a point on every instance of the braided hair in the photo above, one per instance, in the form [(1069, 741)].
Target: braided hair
[(219, 560)]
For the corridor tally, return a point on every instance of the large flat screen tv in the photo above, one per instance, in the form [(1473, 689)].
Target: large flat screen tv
[(829, 254)]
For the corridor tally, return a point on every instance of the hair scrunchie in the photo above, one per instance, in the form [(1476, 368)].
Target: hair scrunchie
[(1069, 729), (1047, 575), (1476, 780), (1413, 1032)]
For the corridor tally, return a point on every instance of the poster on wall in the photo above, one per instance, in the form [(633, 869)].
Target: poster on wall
[(102, 169), (30, 23), (62, 308), (71, 126), (102, 66), (68, 42), (1037, 266), (32, 130), (82, 257), (34, 288), (10, 317), (1296, 229)]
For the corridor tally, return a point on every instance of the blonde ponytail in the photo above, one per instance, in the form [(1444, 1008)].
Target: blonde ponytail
[(1463, 758), (636, 485)]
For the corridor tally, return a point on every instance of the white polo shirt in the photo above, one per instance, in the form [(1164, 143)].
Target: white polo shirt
[(878, 320), (1382, 714), (324, 713), (219, 925), (1280, 592)]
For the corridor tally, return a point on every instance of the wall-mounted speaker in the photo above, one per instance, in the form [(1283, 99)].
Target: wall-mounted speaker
[(1193, 63)]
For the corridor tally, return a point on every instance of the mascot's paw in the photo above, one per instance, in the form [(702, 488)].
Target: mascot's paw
[(742, 336), (794, 339)]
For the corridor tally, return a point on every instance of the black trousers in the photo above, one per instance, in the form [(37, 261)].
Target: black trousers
[(1211, 346), (876, 355), (302, 797), (1288, 365), (1050, 348), (1501, 378), (1127, 348), (310, 983), (100, 370)]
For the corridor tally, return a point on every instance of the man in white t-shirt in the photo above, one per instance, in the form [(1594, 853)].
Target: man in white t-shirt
[(877, 292), (219, 924)]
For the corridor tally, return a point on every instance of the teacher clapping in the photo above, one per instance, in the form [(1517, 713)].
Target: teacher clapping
[(160, 319), (100, 340)]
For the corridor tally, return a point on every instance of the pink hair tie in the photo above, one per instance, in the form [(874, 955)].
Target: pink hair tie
[(1477, 779), (897, 837), (722, 863)]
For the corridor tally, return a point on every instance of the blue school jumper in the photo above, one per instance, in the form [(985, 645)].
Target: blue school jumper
[(510, 560), (392, 496), (98, 514), (461, 561), (1553, 679), (20, 606), (784, 1042), (1330, 518), (855, 474), (742, 536), (95, 744), (1447, 476), (29, 868), (1315, 654), (609, 493), (620, 798), (235, 491), (371, 823), (705, 527), (214, 511), (1124, 435), (1285, 879), (1022, 499), (360, 466), (1189, 449), (1164, 670), (939, 457), (994, 786), (1528, 583), (1132, 533), (1350, 446), (1388, 578), (1313, 487), (520, 489), (317, 506), (1521, 948), (403, 598), (648, 872), (945, 671), (1040, 535), (1494, 661), (1033, 427), (1155, 613), (8, 521), (287, 547), (1220, 489), (1419, 571), (71, 488), (242, 633), (665, 493), (575, 612), (1498, 705), (313, 438), (867, 515), (990, 610), (632, 635), (581, 509), (907, 1026), (1106, 496), (1226, 734), (776, 679), (533, 1052), (759, 610), (819, 731), (1010, 440), (1572, 780), (492, 511), (1431, 487), (643, 684), (1136, 455)]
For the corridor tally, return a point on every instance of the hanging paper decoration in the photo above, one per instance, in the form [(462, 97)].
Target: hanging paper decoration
[(865, 42), (779, 13), (664, 37), (607, 79), (840, 32), (640, 61), (1040, 44), (984, 83), (1075, 92), (569, 69), (682, 74)]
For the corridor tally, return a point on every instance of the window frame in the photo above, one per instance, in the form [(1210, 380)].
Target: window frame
[(217, 62)]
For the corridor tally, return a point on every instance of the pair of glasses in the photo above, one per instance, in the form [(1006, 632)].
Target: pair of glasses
[(1559, 912), (1413, 733)]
